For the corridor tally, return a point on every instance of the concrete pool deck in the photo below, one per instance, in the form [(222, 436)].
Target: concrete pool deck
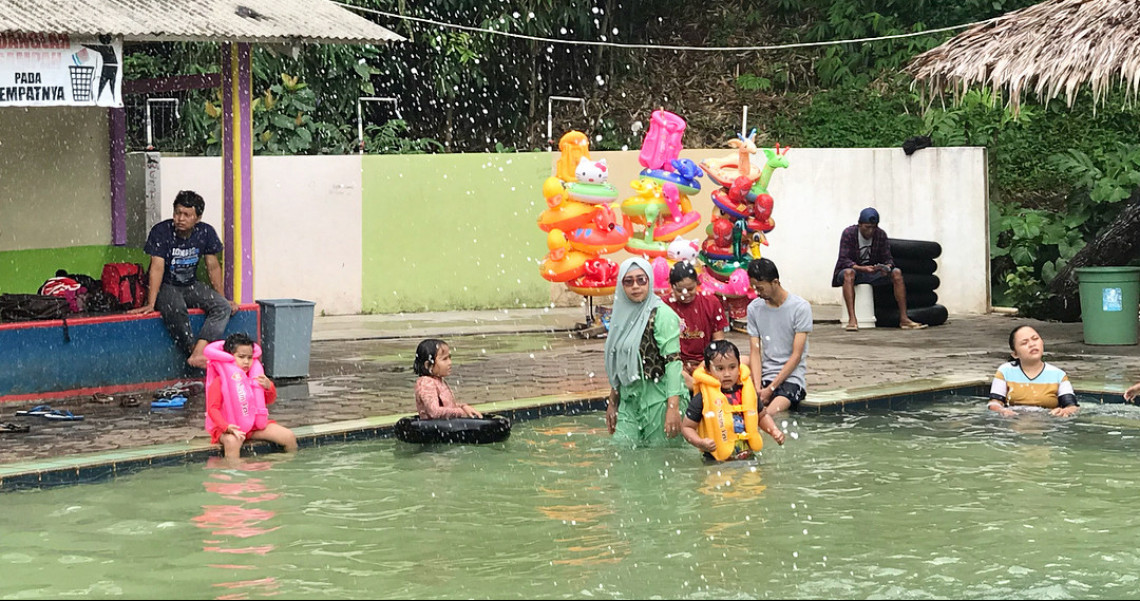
[(522, 360)]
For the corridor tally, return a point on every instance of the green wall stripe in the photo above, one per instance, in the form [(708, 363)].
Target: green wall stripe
[(430, 243), (24, 271)]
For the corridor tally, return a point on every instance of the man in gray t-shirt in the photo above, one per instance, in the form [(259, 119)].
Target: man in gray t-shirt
[(778, 327)]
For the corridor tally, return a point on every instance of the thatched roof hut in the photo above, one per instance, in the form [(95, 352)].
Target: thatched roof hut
[(1049, 48)]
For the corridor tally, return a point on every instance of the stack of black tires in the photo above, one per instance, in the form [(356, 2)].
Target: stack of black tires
[(916, 260)]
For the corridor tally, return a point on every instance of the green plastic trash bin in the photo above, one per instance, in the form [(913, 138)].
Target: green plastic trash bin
[(1109, 303), (286, 331)]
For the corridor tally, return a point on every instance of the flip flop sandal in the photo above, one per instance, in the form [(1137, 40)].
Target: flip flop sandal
[(37, 410), (102, 399), (168, 392), (10, 428), (63, 416), (174, 402), (129, 401)]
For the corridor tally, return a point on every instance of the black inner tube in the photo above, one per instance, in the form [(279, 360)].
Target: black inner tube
[(462, 430)]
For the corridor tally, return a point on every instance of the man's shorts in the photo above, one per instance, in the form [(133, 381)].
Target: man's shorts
[(875, 279), (788, 390)]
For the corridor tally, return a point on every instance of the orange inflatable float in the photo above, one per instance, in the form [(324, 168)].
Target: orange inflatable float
[(603, 234), (562, 263), (563, 213)]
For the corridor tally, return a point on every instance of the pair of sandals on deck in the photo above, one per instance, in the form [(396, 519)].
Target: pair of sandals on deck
[(164, 399), (46, 412), (171, 397)]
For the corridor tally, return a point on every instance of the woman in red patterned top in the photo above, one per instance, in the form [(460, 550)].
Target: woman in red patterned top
[(702, 316), (433, 396)]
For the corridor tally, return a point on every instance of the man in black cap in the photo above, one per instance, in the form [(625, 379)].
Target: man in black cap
[(865, 258)]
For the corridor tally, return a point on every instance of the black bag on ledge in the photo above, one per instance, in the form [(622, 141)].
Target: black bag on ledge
[(32, 307)]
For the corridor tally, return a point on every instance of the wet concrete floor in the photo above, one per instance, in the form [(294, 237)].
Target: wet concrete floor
[(362, 366)]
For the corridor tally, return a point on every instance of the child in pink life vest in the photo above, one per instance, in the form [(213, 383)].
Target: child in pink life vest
[(237, 393)]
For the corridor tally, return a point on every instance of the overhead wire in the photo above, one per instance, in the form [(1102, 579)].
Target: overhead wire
[(609, 44)]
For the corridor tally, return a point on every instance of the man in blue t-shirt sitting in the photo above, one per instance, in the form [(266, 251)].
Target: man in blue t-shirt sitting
[(176, 246)]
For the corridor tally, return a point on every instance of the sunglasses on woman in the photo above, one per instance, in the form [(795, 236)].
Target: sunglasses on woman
[(640, 280)]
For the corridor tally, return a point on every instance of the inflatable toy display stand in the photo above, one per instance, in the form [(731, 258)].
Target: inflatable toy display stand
[(584, 220), (741, 220)]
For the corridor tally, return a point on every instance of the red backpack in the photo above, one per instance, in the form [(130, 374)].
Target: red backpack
[(67, 288), (126, 282)]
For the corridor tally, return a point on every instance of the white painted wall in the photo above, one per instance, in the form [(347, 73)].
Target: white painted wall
[(306, 223), (54, 161), (938, 194)]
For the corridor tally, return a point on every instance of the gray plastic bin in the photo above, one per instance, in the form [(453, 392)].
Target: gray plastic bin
[(286, 331)]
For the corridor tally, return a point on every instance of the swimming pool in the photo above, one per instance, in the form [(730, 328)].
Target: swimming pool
[(941, 500)]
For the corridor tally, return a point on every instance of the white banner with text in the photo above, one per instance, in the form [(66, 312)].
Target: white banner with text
[(58, 70)]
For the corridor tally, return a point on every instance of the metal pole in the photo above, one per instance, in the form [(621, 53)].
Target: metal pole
[(149, 135), (359, 127), (550, 116), (744, 122)]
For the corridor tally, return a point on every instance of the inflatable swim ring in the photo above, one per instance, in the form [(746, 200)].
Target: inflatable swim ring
[(567, 216), (736, 286), (647, 204), (725, 170), (644, 248), (671, 228), (685, 185), (728, 207), (597, 194), (710, 250), (562, 263), (602, 234), (564, 267), (722, 269), (459, 430), (584, 288)]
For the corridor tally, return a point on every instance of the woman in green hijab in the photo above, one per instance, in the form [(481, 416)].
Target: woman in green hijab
[(643, 360)]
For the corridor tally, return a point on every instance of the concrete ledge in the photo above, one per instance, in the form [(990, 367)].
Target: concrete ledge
[(888, 395)]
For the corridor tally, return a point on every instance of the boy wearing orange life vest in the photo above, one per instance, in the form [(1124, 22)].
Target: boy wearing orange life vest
[(237, 396), (724, 418)]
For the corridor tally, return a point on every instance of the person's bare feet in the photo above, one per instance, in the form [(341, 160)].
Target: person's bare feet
[(198, 355), (911, 325)]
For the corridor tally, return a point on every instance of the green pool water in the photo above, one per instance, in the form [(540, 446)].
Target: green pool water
[(944, 500)]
